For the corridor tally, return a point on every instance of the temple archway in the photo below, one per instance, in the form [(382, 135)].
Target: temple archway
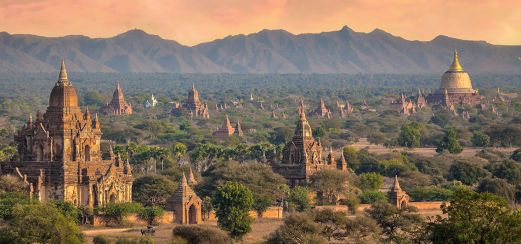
[(87, 153), (112, 198), (40, 153), (192, 215)]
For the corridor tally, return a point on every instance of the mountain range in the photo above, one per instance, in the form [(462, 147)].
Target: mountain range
[(268, 51)]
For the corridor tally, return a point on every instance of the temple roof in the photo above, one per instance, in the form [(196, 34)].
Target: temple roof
[(63, 94), (455, 79), (455, 66)]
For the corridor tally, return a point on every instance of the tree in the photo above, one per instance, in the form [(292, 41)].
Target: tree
[(232, 203), (297, 228), (397, 224), (39, 223), (68, 210), (152, 190), (332, 222), (410, 135), (329, 183), (150, 214), (114, 213), (265, 185), (93, 98), (370, 181), (450, 142), (363, 229), (179, 150), (261, 205), (201, 234), (480, 139), (497, 186), (299, 196), (507, 169), (476, 218), (516, 155), (7, 152), (370, 197), (9, 183), (466, 172), (8, 200)]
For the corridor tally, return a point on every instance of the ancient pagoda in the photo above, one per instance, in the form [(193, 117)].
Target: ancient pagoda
[(226, 130), (118, 105), (455, 87), (185, 204), (59, 156), (192, 107)]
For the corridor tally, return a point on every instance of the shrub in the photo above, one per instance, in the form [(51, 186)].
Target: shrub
[(232, 203), (114, 213), (300, 198), (140, 240), (370, 197), (201, 235), (99, 239), (370, 181), (150, 214)]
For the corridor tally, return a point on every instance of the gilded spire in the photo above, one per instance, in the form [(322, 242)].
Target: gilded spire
[(456, 66), (63, 79)]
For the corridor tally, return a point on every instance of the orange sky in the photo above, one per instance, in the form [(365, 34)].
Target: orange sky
[(194, 21)]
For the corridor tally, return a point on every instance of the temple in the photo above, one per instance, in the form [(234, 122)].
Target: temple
[(397, 196), (455, 88), (226, 130), (322, 111), (118, 105), (185, 204), (59, 156), (302, 156), (150, 103), (193, 106)]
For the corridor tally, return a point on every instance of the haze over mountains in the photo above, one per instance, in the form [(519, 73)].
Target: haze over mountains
[(268, 51)]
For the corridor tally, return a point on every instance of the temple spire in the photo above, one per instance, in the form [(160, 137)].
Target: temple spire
[(63, 78), (302, 110), (396, 184), (184, 182), (456, 66)]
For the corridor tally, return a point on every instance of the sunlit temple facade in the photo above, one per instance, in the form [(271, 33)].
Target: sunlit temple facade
[(59, 156)]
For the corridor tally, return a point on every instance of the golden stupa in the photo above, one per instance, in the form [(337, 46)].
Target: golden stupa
[(456, 80)]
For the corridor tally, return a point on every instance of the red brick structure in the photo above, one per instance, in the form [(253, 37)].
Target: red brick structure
[(59, 155), (302, 156), (187, 206), (397, 196), (118, 105), (193, 106)]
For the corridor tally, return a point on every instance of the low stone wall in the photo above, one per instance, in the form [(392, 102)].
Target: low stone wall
[(169, 217), (421, 206), (271, 213), (133, 219)]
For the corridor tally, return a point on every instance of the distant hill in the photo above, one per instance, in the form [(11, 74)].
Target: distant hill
[(268, 51)]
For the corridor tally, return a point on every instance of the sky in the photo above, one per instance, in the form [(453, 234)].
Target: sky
[(192, 22)]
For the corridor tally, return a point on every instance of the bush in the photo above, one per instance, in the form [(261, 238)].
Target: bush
[(100, 240), (429, 193), (300, 198), (150, 214), (114, 213), (370, 181), (466, 172), (39, 223), (297, 228), (232, 203), (201, 235), (140, 240), (370, 197)]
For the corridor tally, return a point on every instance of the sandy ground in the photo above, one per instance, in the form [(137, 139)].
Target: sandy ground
[(424, 151), (260, 229)]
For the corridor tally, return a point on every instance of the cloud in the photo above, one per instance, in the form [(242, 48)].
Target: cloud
[(191, 22)]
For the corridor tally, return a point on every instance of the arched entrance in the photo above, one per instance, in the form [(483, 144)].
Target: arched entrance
[(87, 153), (192, 215), (112, 198), (40, 153)]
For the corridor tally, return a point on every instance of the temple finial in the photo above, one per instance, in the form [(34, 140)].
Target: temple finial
[(455, 66), (63, 73)]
